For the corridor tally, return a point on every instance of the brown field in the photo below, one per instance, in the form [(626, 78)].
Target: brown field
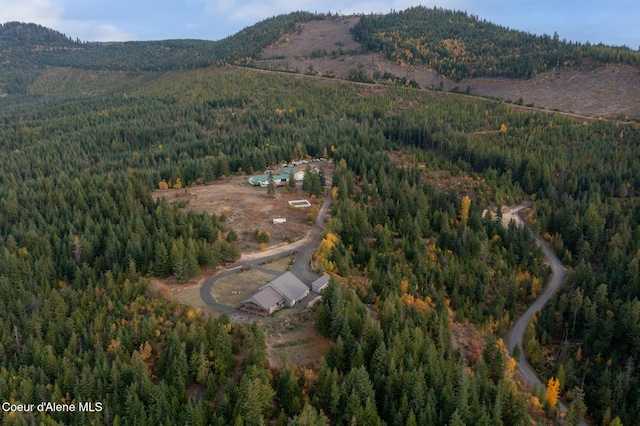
[(248, 208), (233, 289), (292, 333), (186, 293), (190, 295)]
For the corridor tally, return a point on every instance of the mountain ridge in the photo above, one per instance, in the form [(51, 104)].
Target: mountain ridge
[(406, 48)]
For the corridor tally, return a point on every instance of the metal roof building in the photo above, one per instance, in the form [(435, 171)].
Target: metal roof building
[(320, 284), (285, 290), (290, 287), (266, 301), (279, 178)]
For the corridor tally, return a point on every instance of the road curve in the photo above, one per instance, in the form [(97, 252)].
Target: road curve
[(516, 334)]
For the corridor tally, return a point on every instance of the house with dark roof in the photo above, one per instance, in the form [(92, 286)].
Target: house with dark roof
[(285, 290)]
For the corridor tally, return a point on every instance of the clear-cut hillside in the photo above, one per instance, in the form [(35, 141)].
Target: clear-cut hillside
[(327, 47)]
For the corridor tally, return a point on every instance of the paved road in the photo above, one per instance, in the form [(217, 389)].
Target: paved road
[(516, 334), (305, 247)]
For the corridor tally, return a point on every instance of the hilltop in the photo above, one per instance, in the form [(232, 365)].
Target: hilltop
[(588, 85)]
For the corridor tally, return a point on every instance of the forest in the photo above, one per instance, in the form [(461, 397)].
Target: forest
[(81, 237), (458, 45)]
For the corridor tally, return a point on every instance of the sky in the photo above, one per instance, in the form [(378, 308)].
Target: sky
[(613, 22)]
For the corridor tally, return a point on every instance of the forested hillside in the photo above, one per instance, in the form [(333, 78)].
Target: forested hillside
[(458, 45), (27, 49)]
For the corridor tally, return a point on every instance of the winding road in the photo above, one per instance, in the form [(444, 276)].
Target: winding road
[(516, 334), (306, 246)]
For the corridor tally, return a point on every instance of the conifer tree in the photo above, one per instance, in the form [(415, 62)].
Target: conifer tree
[(271, 186)]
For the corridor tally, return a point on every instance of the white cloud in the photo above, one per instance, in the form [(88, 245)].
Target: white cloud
[(43, 12), (93, 31), (50, 13)]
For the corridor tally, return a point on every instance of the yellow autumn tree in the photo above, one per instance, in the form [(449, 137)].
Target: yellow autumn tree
[(465, 204), (324, 251), (163, 185), (553, 389), (535, 287)]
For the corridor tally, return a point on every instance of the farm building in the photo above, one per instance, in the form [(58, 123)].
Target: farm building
[(286, 290), (320, 284), (280, 178)]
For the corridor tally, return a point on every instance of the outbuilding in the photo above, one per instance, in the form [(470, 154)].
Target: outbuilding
[(320, 284)]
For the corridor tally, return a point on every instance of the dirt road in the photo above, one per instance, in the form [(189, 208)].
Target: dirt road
[(516, 334)]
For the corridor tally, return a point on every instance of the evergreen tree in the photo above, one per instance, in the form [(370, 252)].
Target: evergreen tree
[(289, 394), (292, 180), (271, 186), (310, 417)]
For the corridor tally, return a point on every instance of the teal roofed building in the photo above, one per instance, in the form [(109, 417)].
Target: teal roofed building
[(280, 178)]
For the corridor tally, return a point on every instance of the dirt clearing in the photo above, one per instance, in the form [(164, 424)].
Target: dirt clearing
[(187, 294), (246, 208), (462, 184), (292, 333)]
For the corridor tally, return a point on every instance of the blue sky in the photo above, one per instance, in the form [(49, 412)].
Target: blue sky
[(611, 22)]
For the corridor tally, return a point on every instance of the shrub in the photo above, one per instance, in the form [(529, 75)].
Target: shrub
[(263, 237)]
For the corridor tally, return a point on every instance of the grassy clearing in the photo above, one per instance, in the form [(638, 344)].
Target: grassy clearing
[(191, 296), (281, 265), (293, 343), (291, 334), (233, 289)]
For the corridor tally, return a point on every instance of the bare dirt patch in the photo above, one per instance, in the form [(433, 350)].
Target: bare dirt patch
[(292, 333), (247, 208), (325, 37), (467, 339), (611, 91), (233, 289), (190, 295)]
